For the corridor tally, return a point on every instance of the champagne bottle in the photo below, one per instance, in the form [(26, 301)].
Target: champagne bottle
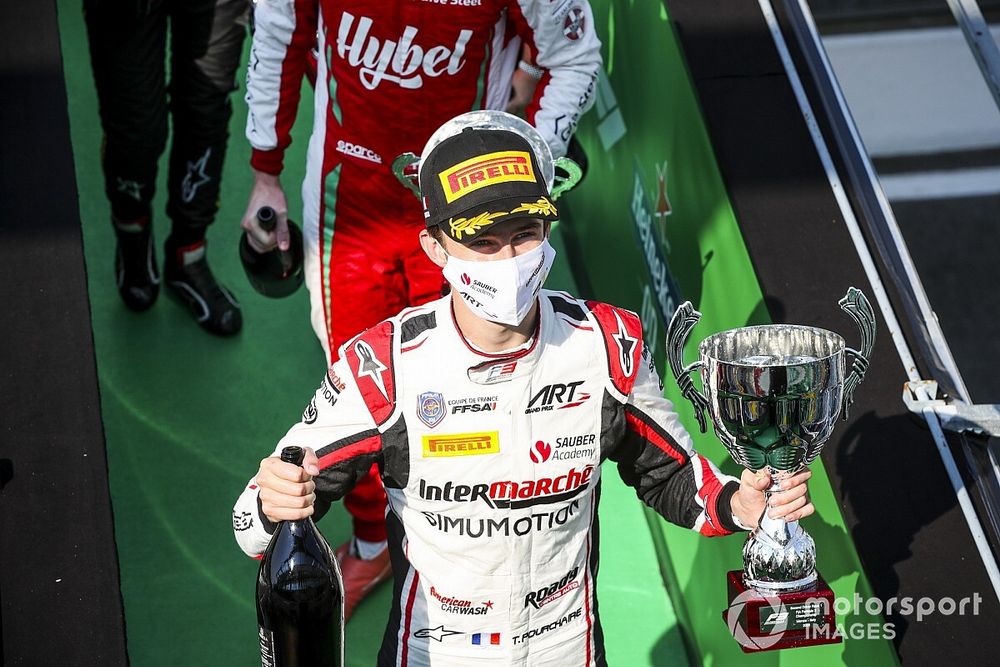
[(276, 273), (300, 595)]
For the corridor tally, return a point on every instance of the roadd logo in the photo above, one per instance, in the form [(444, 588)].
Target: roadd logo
[(541, 452)]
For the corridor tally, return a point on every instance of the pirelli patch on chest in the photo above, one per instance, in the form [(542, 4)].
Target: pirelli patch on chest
[(461, 444), (484, 170)]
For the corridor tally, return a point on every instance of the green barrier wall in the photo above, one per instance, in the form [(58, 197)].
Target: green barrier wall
[(652, 227)]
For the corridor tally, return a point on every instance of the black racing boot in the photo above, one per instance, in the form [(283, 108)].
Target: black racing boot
[(189, 277), (135, 263)]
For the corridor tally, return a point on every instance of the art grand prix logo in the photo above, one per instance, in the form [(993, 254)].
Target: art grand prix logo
[(777, 621), (485, 170), (557, 395)]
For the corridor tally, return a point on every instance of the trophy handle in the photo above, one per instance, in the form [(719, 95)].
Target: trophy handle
[(565, 183), (399, 168), (860, 310), (684, 319)]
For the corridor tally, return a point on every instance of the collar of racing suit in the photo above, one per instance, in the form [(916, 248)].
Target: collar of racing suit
[(488, 368)]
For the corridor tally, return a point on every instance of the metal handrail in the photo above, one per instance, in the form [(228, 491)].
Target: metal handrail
[(881, 224), (981, 43)]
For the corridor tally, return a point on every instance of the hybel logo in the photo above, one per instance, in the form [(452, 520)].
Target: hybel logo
[(553, 591), (484, 170), (462, 444), (557, 394), (399, 61)]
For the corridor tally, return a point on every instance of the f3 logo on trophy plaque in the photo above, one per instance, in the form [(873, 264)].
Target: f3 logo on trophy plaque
[(774, 394)]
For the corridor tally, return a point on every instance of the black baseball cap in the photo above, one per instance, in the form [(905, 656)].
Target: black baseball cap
[(480, 177)]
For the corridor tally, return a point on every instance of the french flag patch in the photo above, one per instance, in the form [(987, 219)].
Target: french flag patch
[(486, 639)]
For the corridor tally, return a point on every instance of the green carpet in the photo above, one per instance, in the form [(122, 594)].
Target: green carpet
[(188, 416)]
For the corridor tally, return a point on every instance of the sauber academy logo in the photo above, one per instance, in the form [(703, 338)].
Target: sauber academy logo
[(401, 60), (484, 170), (369, 365), (541, 452)]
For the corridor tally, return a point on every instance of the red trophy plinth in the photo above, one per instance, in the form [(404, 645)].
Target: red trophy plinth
[(762, 622)]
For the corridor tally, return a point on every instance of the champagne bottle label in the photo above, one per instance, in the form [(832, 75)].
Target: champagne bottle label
[(266, 646)]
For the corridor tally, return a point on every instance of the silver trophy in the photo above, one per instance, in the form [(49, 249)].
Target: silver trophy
[(774, 394)]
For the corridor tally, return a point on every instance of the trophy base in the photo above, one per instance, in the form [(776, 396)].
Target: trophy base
[(763, 622)]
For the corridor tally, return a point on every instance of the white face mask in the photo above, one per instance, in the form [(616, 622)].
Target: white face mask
[(502, 290)]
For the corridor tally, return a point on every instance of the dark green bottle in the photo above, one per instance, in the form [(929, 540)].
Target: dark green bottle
[(300, 595)]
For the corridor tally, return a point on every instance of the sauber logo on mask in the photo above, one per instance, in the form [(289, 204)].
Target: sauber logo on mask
[(401, 62), (553, 591), (557, 395), (484, 170), (510, 494)]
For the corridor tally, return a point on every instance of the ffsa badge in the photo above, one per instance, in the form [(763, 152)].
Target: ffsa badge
[(430, 408)]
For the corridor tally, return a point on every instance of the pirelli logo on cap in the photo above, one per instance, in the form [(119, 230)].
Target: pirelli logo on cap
[(484, 170), (462, 444)]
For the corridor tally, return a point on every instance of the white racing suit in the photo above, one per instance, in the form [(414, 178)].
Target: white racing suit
[(491, 464)]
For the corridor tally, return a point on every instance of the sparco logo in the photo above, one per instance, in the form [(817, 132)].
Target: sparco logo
[(401, 62), (513, 495), (552, 395), (354, 150), (553, 591)]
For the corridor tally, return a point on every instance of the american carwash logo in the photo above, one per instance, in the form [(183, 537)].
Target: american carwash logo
[(483, 170), (462, 444), (777, 621)]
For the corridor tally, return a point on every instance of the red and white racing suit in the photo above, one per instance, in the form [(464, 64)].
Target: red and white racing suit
[(492, 466), (389, 74)]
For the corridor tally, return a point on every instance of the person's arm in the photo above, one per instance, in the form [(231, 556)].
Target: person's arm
[(284, 33), (655, 456), (566, 48), (338, 428)]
